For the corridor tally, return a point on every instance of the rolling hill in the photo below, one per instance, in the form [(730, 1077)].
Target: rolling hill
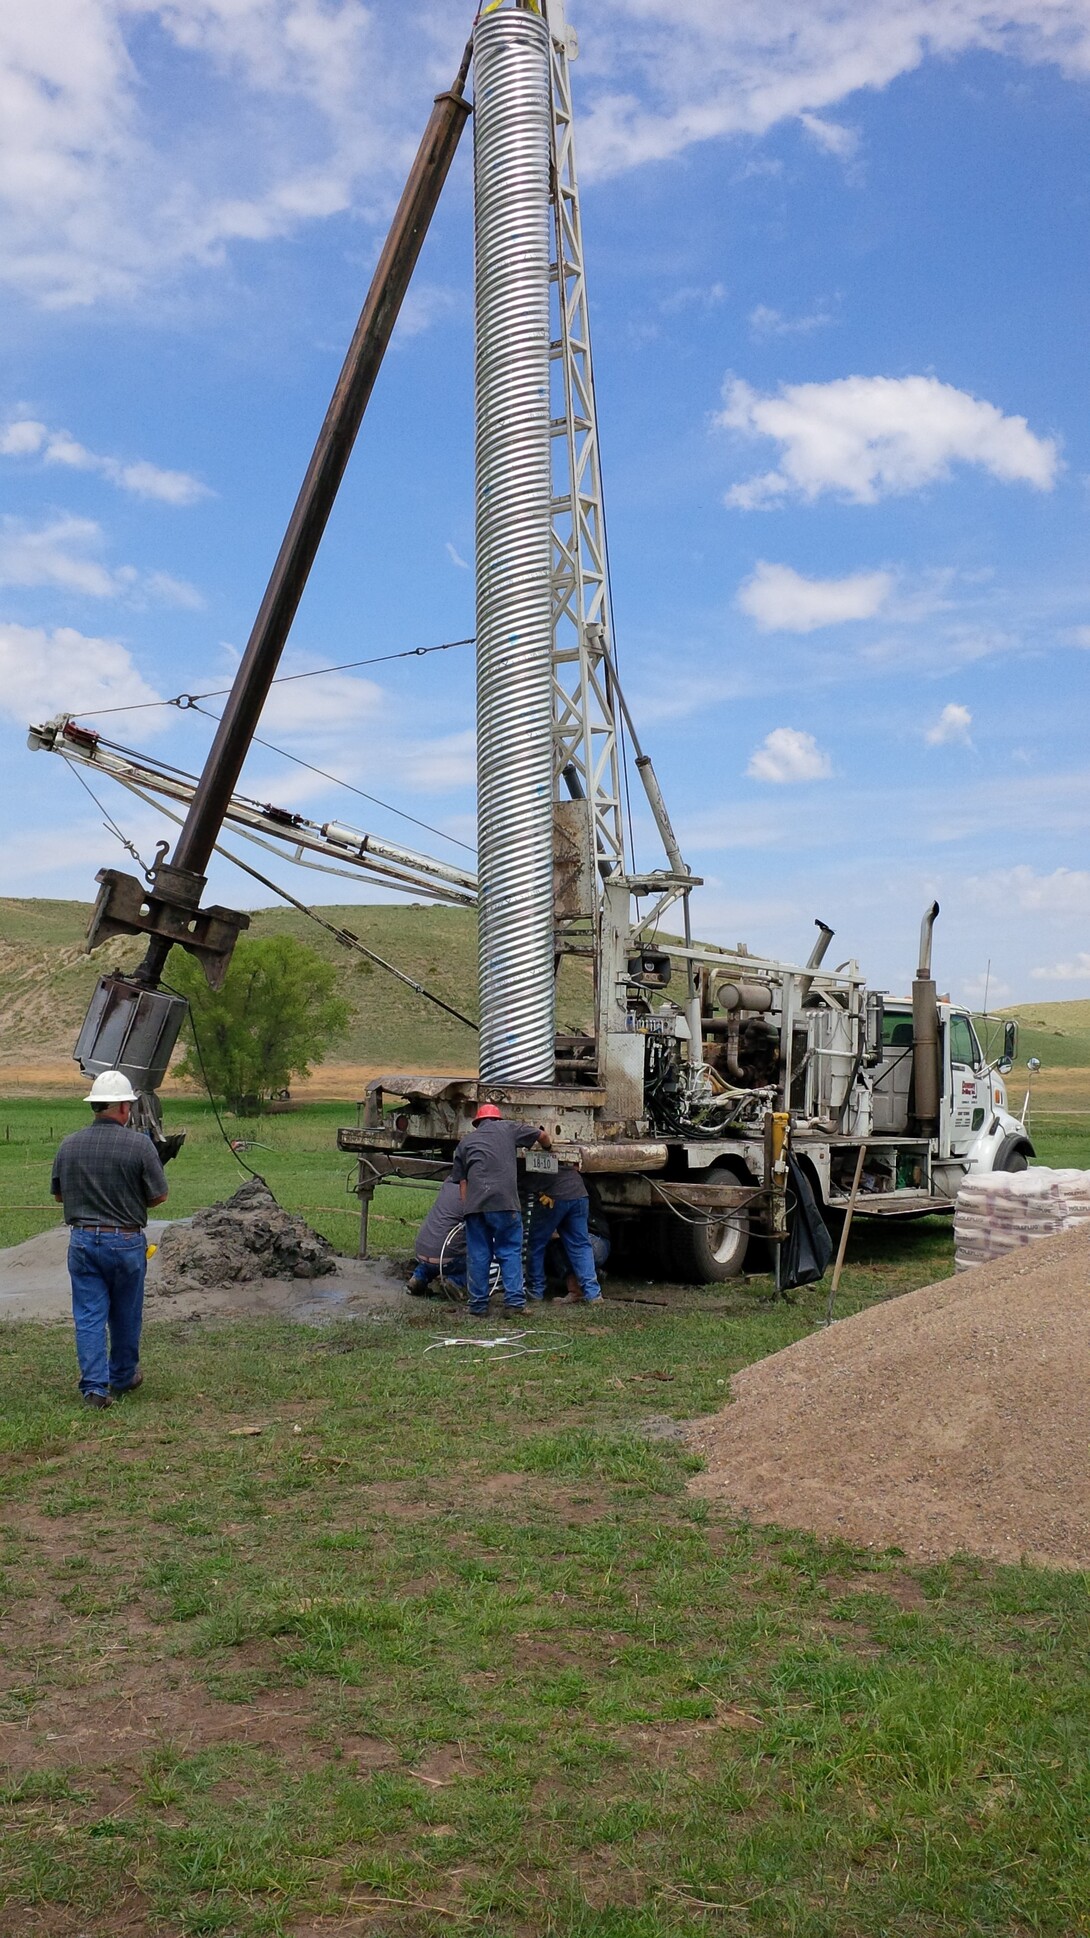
[(46, 981)]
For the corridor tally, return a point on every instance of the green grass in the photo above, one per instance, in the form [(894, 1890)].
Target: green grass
[(297, 1153), (447, 1647)]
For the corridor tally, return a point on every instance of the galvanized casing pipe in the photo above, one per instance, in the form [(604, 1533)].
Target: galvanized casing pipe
[(511, 160)]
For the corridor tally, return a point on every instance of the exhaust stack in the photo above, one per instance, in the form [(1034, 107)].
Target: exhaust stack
[(511, 163), (816, 957), (926, 1073)]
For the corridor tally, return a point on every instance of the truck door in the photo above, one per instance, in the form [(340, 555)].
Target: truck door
[(969, 1087)]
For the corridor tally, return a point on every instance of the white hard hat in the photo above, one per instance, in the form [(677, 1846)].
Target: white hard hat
[(112, 1087)]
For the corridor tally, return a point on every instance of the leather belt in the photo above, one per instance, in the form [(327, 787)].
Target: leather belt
[(130, 1231)]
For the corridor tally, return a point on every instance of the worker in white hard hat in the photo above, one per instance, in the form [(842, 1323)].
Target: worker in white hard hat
[(107, 1176)]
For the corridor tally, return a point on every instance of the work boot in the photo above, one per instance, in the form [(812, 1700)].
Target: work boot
[(137, 1380), (97, 1399)]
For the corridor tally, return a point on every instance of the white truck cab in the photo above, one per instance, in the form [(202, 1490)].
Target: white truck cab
[(976, 1130)]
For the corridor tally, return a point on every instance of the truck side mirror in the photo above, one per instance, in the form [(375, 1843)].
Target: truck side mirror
[(1005, 1064)]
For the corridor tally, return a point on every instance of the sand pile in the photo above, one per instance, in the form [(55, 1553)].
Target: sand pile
[(248, 1237), (953, 1418)]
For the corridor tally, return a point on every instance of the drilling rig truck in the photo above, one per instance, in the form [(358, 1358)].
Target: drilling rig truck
[(704, 1070)]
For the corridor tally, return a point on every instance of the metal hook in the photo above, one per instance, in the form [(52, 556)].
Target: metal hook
[(150, 872)]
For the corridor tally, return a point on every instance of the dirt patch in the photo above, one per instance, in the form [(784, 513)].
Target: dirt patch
[(34, 1285), (900, 1588), (445, 1764), (953, 1419), (247, 1237)]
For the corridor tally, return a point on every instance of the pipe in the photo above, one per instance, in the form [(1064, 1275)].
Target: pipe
[(512, 148), (927, 930), (926, 1072), (816, 957), (661, 816), (318, 491)]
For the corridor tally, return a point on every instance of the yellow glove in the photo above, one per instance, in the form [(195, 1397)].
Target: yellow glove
[(547, 1202)]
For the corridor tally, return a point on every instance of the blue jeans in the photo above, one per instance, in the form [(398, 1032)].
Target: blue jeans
[(425, 1272), (107, 1271), (568, 1219), (494, 1235)]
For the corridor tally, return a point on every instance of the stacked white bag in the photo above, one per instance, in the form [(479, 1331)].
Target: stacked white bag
[(999, 1211), (1075, 1187)]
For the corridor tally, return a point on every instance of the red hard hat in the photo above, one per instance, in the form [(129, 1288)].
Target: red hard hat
[(487, 1110)]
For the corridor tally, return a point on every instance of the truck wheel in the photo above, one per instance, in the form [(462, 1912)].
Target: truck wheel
[(1016, 1161), (703, 1253)]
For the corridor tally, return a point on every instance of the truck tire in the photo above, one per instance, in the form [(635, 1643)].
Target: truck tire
[(1014, 1153), (703, 1253)]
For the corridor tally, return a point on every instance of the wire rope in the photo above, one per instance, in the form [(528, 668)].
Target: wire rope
[(339, 782), (185, 700)]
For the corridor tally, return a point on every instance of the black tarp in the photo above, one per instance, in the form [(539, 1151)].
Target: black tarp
[(807, 1249)]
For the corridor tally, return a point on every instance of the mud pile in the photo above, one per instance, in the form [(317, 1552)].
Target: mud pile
[(249, 1237), (952, 1419)]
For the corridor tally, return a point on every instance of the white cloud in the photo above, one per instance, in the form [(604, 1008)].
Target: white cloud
[(25, 437), (1064, 892), (22, 438), (66, 552), (59, 553), (951, 727), (1076, 971), (320, 706), (786, 756), (694, 296), (436, 766), (455, 556), (164, 589), (867, 438), (843, 143), (425, 305), (140, 139), (765, 322), (779, 599), (43, 673), (666, 78), (976, 989)]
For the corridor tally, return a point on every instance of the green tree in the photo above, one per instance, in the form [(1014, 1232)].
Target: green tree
[(275, 1015)]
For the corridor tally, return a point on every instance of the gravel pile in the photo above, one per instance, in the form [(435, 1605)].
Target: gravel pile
[(249, 1237), (953, 1419)]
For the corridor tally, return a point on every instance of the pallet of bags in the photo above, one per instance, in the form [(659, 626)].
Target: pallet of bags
[(1000, 1211), (1075, 1189)]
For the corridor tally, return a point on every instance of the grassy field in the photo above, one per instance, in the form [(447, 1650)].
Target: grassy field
[(324, 1633)]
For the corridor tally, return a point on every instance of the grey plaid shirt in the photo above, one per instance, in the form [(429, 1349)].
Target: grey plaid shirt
[(107, 1174)]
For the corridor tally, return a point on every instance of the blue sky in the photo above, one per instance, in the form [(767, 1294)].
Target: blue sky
[(837, 261)]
